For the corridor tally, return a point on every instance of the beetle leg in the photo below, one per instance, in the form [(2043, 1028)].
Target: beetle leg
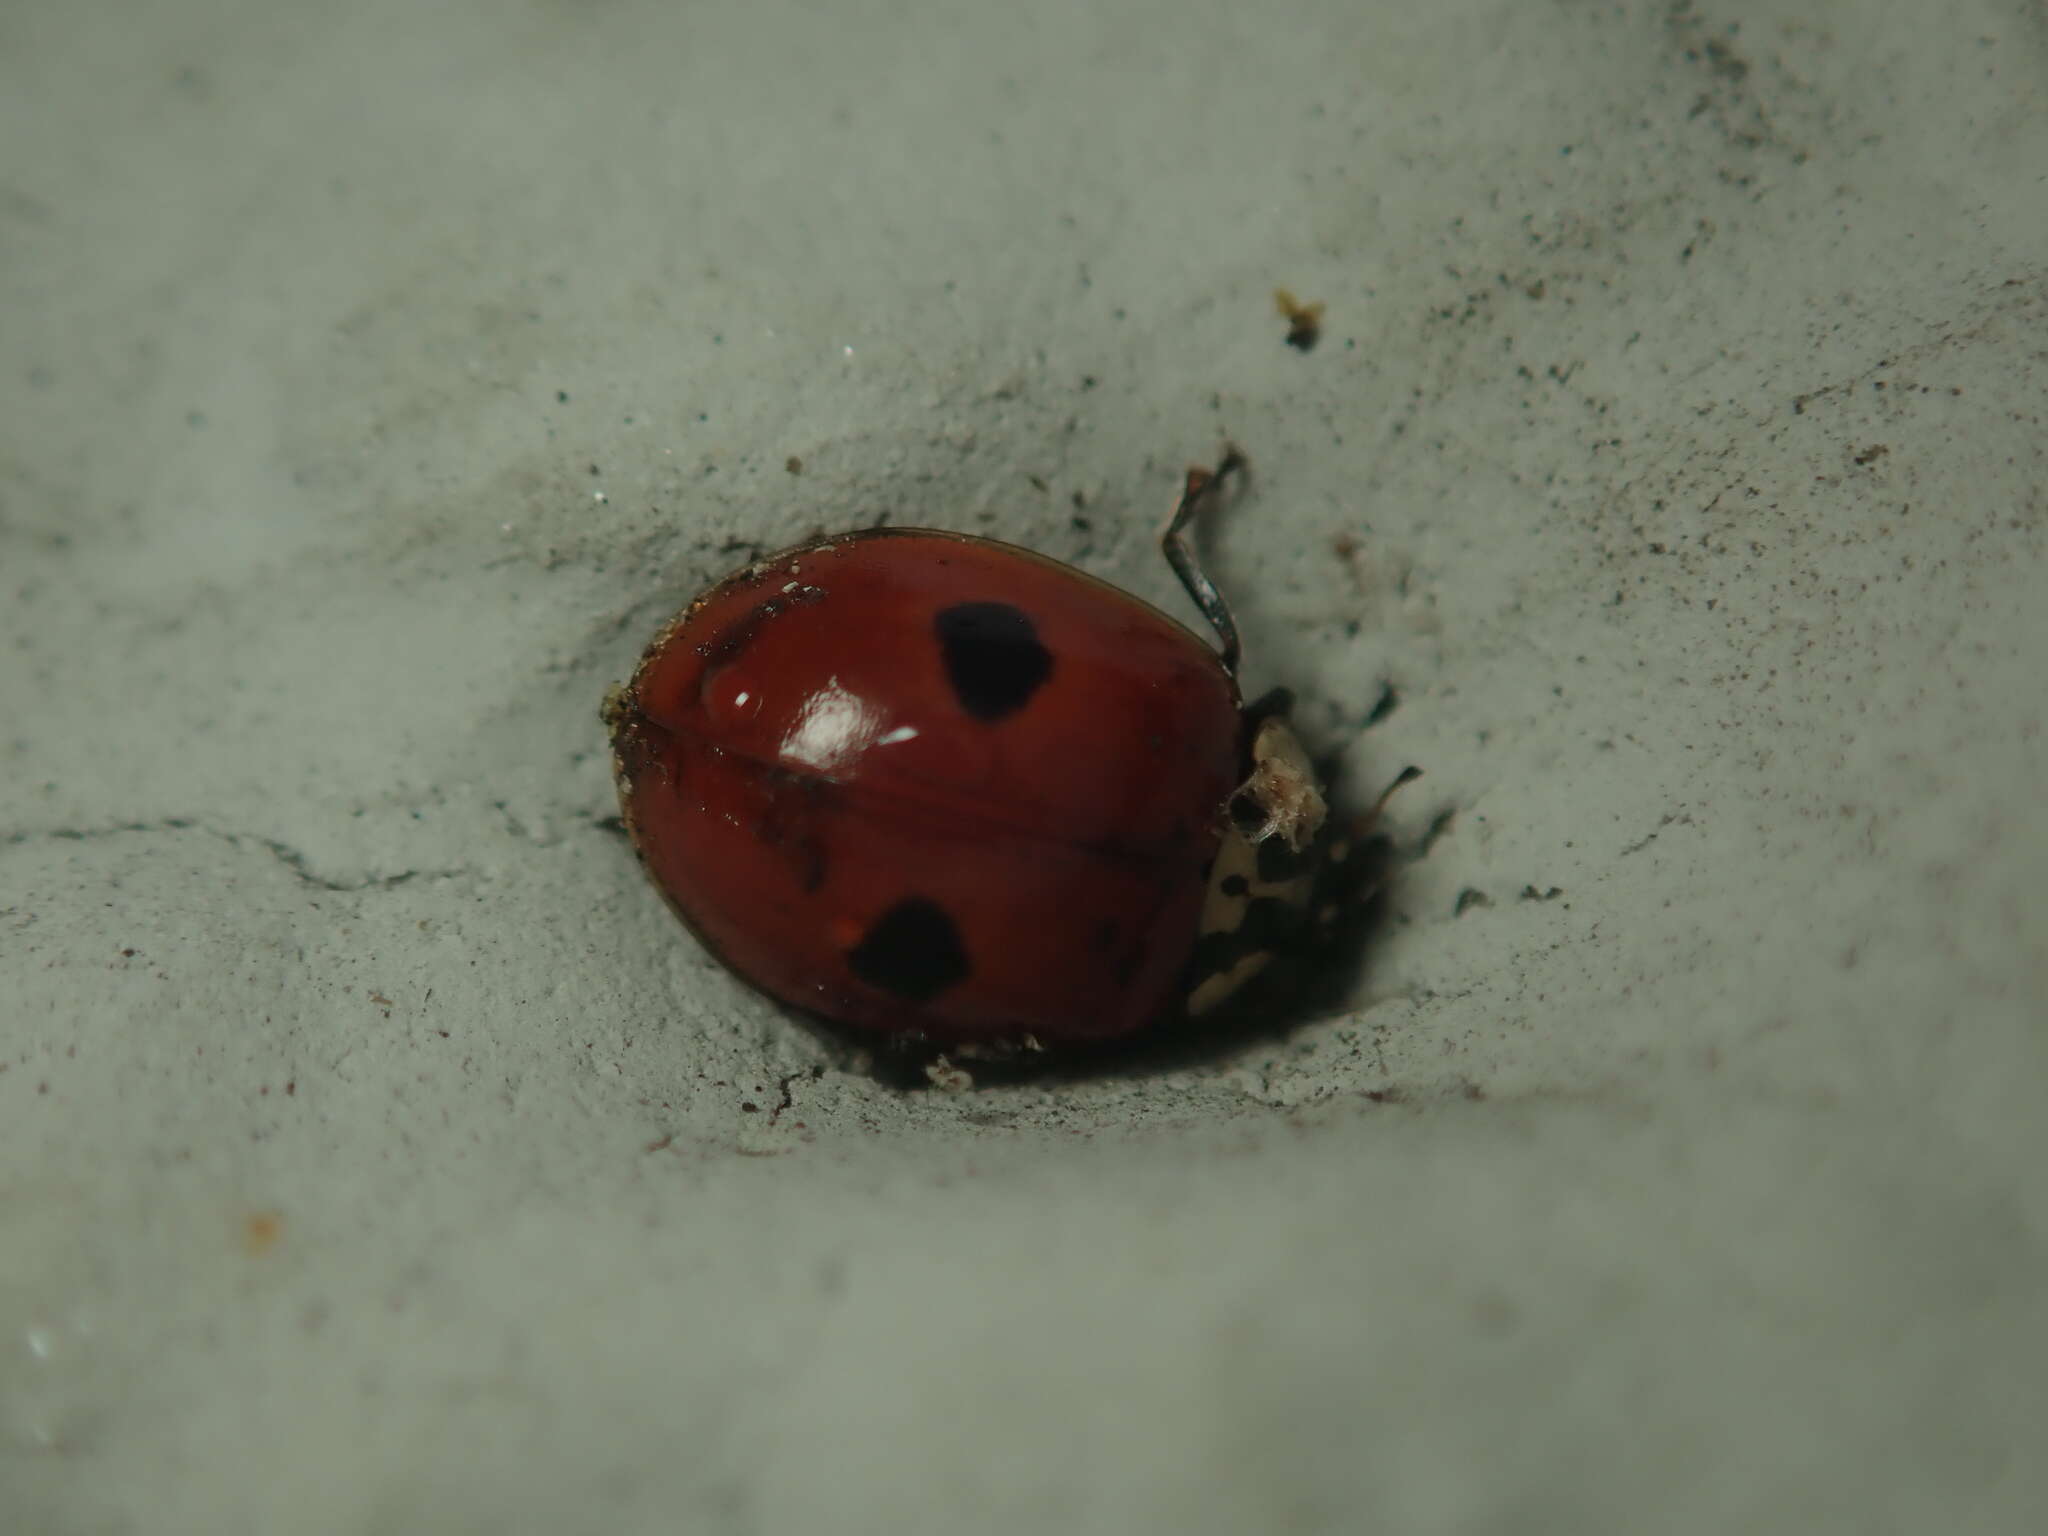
[(1177, 542)]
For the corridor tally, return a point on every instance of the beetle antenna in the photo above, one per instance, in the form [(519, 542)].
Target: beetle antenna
[(1177, 542)]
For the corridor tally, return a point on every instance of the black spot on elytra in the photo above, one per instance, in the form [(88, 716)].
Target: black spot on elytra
[(993, 657), (1234, 885), (1247, 813), (913, 950)]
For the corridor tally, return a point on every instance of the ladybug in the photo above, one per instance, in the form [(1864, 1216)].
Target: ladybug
[(940, 788)]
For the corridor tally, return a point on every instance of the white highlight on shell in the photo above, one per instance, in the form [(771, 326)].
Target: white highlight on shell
[(834, 726), (831, 728)]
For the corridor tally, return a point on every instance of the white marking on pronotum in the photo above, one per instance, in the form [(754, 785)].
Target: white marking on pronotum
[(1282, 784)]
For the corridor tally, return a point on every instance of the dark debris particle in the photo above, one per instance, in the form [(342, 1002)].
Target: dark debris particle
[(1439, 827), (1304, 321)]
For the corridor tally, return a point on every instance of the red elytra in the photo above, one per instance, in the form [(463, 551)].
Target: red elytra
[(924, 783)]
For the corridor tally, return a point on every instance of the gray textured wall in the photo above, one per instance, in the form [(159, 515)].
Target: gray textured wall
[(376, 1154)]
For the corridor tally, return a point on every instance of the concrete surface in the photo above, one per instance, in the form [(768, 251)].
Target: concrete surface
[(377, 1156)]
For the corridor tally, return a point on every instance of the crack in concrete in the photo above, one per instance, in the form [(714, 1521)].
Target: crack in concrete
[(290, 857)]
